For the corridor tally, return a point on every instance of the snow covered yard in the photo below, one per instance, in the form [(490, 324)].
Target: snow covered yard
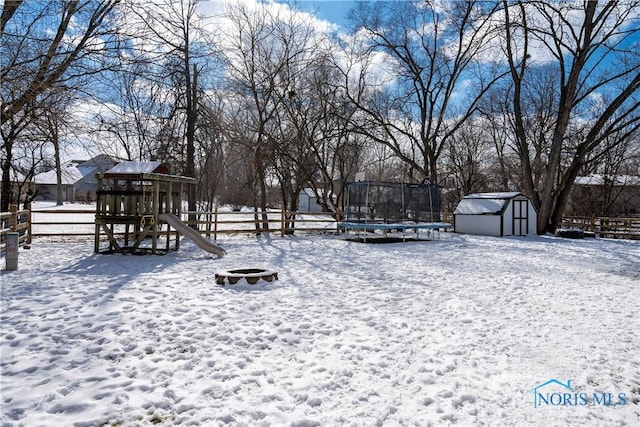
[(451, 332)]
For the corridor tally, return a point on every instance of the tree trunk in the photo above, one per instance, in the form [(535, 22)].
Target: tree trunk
[(192, 112), (6, 195)]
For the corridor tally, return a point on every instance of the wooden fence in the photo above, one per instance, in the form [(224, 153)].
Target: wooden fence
[(15, 221), (282, 222), (64, 223), (614, 228)]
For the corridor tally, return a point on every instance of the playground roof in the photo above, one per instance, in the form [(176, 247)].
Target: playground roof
[(138, 168), (144, 171)]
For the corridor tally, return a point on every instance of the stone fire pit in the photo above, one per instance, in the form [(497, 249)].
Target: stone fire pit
[(251, 275)]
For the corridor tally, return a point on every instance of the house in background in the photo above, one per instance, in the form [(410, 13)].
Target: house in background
[(78, 180), (602, 195), (495, 214)]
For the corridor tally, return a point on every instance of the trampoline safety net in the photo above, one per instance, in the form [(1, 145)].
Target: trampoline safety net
[(392, 202)]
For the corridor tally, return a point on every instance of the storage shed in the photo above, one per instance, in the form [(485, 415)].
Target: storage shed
[(308, 201), (495, 214)]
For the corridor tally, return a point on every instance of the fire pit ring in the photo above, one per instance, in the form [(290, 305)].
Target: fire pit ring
[(251, 275)]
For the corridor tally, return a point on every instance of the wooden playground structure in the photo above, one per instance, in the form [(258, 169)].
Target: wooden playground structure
[(132, 200)]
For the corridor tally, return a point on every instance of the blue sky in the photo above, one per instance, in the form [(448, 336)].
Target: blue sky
[(334, 11)]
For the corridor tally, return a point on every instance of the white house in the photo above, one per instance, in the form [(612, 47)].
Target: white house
[(495, 214), (78, 180)]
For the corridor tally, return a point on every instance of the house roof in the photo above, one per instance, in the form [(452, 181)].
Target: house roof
[(485, 203), (74, 171), (598, 179), (70, 174)]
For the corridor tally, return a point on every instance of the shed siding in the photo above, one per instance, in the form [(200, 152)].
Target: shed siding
[(533, 219), (507, 220), (487, 225)]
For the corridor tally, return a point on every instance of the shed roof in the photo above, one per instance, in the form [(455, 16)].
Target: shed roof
[(308, 192), (485, 203), (498, 195)]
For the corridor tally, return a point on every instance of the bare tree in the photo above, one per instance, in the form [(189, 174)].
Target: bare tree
[(266, 51), (173, 34), (468, 158), (45, 44), (596, 80), (435, 50), (133, 111), (53, 127), (496, 122), (210, 152), (338, 153), (237, 181)]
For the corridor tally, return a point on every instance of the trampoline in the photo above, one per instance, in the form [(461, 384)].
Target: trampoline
[(392, 210)]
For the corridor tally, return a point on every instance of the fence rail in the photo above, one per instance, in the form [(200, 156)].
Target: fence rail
[(80, 222), (15, 221), (614, 228), (283, 222)]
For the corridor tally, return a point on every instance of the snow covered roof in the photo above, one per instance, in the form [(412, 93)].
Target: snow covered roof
[(135, 168), (70, 175), (74, 171), (598, 179), (154, 171), (480, 206), (484, 203), (499, 195), (308, 192)]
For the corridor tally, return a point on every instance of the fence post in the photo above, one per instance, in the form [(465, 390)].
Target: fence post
[(215, 224), (207, 223), (13, 219), (282, 220), (29, 229)]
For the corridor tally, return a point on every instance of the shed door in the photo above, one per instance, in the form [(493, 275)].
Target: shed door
[(520, 217)]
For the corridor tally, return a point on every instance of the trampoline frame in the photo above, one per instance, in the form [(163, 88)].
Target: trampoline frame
[(393, 206)]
